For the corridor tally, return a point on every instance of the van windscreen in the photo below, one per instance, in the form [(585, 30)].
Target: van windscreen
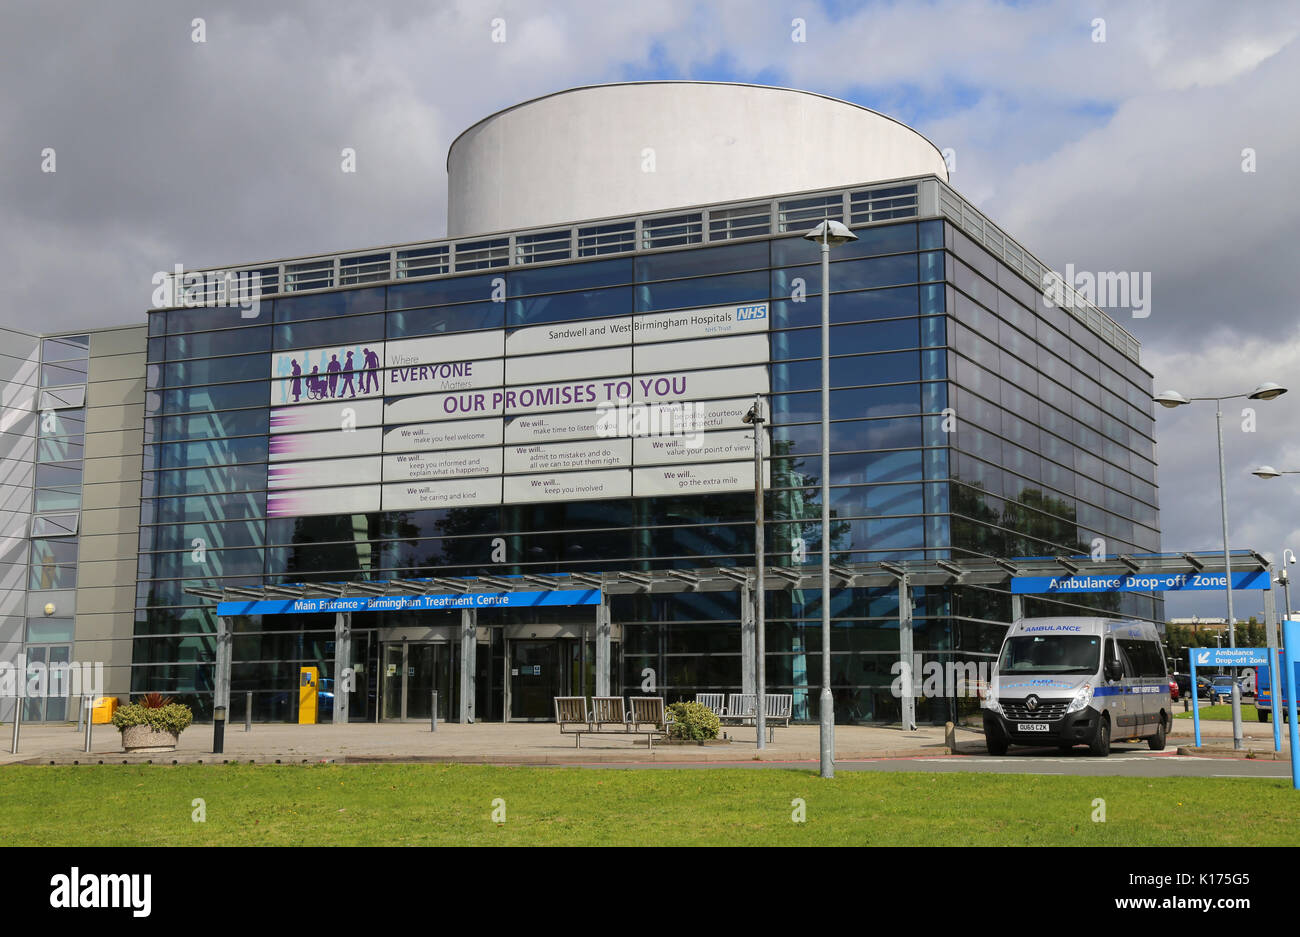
[(1050, 653)]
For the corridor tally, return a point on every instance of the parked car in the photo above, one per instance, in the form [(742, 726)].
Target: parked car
[(1221, 685), (1184, 681)]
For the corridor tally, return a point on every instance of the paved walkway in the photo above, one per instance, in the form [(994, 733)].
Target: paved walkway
[(512, 743), (525, 743)]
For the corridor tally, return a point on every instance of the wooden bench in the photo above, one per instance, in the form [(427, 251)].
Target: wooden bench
[(649, 711), (572, 711)]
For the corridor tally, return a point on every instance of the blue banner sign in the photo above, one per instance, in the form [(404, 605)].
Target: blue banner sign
[(397, 603), (1137, 582), (1231, 656)]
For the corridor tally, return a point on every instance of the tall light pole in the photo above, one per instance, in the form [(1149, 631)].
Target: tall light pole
[(756, 419), (827, 234), (1171, 399), (1288, 556)]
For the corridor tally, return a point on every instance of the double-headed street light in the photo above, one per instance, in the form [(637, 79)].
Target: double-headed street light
[(1288, 556), (1171, 399), (828, 234)]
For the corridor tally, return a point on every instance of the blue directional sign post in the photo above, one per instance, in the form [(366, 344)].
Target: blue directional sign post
[(1291, 637), (1222, 657)]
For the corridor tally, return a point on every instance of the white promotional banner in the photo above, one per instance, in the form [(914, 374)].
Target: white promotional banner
[(421, 496), (362, 470), (566, 365), (330, 444), (454, 406), (446, 375), (338, 372), (699, 323), (455, 463), (724, 446), (457, 434), (704, 353), (570, 336), (543, 427), (696, 479), (648, 403), (436, 349), (359, 500), (587, 454), (331, 414), (567, 486)]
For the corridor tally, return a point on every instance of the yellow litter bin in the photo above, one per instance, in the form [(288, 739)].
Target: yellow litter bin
[(102, 713)]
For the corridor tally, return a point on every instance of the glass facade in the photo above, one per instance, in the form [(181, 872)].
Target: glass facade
[(968, 420)]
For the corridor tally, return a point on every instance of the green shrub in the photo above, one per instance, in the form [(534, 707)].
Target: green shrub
[(693, 721), (174, 717)]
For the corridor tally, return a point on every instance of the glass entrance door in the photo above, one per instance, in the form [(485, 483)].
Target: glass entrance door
[(535, 679), (51, 705), (393, 670), (412, 673)]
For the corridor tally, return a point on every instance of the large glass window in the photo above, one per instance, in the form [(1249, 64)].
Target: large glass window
[(328, 305), (54, 564), (702, 292), (440, 319), (558, 307), (213, 344)]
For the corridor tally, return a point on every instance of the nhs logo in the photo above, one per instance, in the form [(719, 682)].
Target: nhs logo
[(751, 312)]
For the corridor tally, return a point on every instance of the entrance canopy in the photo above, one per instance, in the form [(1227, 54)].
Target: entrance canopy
[(1156, 571)]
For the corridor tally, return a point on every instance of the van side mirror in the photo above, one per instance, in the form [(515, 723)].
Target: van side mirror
[(1114, 669)]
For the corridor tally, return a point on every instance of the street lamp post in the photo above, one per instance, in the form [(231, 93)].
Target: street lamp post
[(1171, 399), (755, 418), (827, 234)]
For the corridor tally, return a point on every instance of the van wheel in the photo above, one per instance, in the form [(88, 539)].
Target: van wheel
[(995, 741), (1100, 744), (1261, 715), (1157, 741)]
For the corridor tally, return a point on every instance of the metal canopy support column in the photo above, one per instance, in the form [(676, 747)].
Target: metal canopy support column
[(343, 678), (468, 662), (905, 652), (746, 639), (602, 647), (1017, 608), (221, 682)]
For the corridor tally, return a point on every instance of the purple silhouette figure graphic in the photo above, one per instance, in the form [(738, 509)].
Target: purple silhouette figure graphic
[(333, 368), (295, 385), (347, 378), (316, 385), (372, 369)]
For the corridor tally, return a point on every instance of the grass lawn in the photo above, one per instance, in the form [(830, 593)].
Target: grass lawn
[(1222, 713), (453, 804)]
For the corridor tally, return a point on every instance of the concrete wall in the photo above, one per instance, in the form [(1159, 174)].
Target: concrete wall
[(19, 377), (110, 504), (623, 149)]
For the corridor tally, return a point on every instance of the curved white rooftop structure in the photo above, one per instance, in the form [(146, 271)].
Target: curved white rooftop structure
[(636, 147)]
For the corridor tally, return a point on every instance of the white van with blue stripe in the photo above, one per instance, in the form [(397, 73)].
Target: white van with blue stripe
[(1077, 681)]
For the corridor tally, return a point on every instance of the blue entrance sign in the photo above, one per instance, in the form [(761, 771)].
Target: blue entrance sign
[(1230, 656), (1137, 582), (397, 603)]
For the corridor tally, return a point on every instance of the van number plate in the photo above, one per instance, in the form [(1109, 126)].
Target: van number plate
[(1031, 727)]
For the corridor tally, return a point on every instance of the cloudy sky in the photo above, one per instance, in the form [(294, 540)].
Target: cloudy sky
[(1118, 155)]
